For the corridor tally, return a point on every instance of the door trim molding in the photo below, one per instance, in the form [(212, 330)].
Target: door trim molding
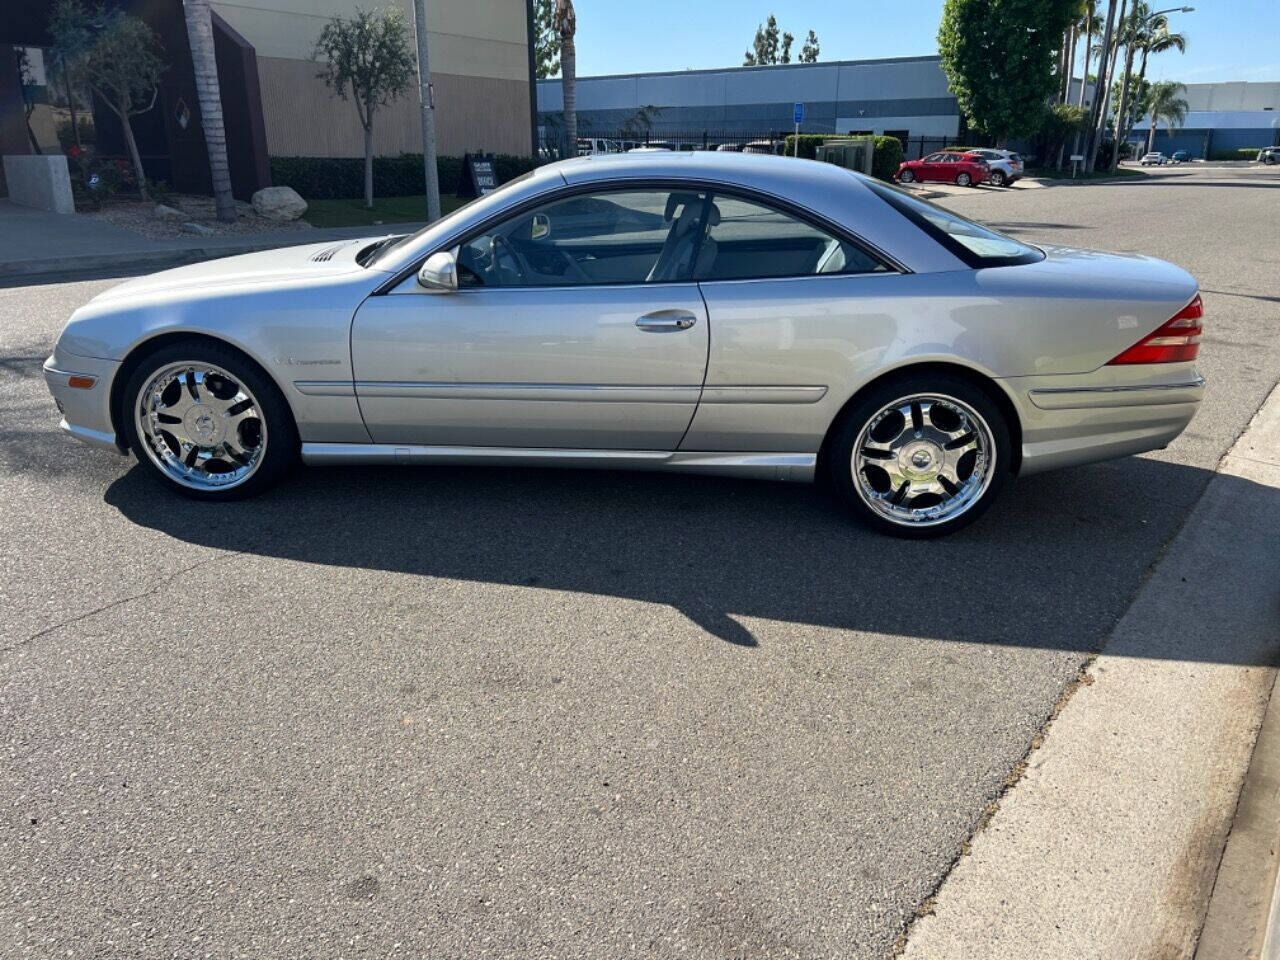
[(563, 392)]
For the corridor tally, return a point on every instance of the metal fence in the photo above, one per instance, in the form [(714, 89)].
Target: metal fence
[(552, 145)]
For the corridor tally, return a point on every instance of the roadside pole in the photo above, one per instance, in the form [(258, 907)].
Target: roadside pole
[(798, 118), (426, 97)]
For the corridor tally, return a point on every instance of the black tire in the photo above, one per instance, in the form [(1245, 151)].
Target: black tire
[(907, 176), (281, 434), (1269, 159), (998, 178), (846, 432), (963, 179)]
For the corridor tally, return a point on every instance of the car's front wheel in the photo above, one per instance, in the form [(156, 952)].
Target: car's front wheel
[(906, 176), (921, 455), (204, 420)]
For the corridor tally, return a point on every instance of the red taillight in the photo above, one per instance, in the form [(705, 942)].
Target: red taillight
[(1176, 341)]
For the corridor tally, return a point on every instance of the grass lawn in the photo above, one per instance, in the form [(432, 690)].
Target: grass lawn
[(1096, 175), (352, 213)]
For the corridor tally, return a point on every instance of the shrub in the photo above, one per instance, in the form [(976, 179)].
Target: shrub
[(341, 178), (887, 158), (809, 143), (1241, 153)]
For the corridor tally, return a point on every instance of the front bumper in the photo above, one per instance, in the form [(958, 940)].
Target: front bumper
[(1113, 412), (86, 408)]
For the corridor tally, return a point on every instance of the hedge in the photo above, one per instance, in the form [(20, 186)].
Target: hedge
[(1242, 153), (885, 159), (338, 178)]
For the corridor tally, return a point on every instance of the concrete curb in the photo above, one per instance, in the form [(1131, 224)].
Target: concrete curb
[(1244, 910), (1109, 846)]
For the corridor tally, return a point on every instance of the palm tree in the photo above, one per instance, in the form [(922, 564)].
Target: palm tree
[(1100, 90), (1129, 36), (566, 26), (1091, 24), (1154, 38), (209, 96), (1166, 104)]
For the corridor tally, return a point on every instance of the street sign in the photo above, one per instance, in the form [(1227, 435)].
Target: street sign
[(478, 176), (799, 114)]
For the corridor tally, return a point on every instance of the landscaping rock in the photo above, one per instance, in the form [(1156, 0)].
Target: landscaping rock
[(165, 212), (199, 229), (279, 203)]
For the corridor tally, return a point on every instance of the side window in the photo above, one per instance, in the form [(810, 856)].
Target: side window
[(933, 158), (623, 236), (747, 240)]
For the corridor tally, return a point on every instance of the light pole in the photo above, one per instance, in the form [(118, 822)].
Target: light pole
[(1123, 107), (425, 93)]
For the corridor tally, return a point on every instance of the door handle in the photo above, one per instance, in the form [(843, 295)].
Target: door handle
[(667, 320)]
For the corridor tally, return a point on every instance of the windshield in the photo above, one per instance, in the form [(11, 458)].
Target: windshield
[(385, 247), (973, 243)]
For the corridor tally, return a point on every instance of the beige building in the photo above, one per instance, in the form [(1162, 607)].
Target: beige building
[(480, 69)]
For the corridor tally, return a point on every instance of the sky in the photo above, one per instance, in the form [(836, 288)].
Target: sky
[(1228, 39)]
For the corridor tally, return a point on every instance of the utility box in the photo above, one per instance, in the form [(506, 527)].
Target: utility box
[(852, 153)]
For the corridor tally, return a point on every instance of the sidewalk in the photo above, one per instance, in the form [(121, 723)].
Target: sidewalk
[(38, 245), (1110, 844)]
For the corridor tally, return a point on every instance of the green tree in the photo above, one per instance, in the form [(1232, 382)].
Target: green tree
[(999, 57), (121, 61), (772, 45), (809, 52), (368, 54), (546, 41), (70, 29)]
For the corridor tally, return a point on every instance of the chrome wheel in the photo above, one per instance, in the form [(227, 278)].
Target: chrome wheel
[(923, 460), (201, 426)]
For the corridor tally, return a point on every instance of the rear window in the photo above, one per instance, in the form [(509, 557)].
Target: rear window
[(976, 245)]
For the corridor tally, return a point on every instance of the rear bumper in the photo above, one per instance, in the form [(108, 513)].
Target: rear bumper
[(86, 411), (1068, 421)]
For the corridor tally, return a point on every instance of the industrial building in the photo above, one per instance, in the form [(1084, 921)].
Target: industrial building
[(1221, 117), (901, 96), (905, 97)]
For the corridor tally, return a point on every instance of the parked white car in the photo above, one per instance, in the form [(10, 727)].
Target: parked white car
[(1153, 159), (589, 146), (1006, 166)]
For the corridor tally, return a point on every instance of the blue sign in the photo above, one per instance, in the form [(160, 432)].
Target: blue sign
[(799, 114)]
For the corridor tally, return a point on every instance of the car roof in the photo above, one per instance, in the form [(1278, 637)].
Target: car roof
[(829, 191)]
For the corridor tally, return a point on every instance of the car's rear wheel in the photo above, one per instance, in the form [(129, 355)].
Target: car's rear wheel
[(921, 455), (963, 179), (997, 178), (204, 420), (906, 176)]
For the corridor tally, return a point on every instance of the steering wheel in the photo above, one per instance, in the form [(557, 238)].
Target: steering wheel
[(500, 245), (574, 267)]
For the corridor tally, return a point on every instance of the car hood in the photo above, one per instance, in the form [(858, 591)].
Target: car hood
[(308, 261)]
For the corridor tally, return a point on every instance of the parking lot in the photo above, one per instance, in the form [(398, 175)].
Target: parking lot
[(485, 712)]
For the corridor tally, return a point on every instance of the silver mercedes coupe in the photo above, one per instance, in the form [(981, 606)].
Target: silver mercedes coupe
[(754, 316)]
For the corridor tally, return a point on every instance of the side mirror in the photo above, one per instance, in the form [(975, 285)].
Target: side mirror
[(541, 226), (439, 274)]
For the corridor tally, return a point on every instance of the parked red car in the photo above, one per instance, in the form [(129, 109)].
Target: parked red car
[(962, 169)]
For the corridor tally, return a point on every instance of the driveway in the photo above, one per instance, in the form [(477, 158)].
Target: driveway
[(492, 713)]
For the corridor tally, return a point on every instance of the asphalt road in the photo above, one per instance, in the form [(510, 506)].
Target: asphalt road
[(491, 713)]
